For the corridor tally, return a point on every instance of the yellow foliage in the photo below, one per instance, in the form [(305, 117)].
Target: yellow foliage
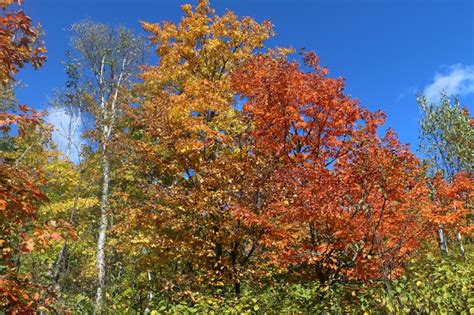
[(65, 207)]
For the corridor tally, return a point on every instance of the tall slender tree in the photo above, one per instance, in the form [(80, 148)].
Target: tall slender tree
[(109, 58)]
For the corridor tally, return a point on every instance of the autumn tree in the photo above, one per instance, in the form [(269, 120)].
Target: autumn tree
[(19, 197), (351, 201), (23, 154), (189, 155), (19, 192)]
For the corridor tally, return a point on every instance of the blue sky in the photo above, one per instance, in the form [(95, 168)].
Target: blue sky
[(386, 49)]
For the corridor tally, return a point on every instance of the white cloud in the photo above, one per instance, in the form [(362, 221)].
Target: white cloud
[(66, 133), (458, 80)]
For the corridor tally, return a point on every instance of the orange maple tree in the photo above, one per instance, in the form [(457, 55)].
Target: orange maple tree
[(351, 201), (452, 203)]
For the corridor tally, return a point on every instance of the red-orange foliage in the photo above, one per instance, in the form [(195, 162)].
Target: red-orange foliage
[(350, 200), (19, 197), (19, 194), (451, 202), (18, 43), (383, 191)]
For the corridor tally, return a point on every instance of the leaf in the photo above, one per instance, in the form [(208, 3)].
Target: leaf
[(55, 236)]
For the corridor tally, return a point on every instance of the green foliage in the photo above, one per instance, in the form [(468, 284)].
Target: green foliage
[(446, 135), (436, 285), (431, 285)]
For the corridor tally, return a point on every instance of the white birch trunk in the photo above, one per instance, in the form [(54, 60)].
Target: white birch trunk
[(108, 116), (150, 293), (104, 202), (442, 240), (101, 267), (461, 246)]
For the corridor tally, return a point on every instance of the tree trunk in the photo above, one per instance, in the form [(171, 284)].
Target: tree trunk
[(237, 288), (72, 220), (461, 246), (57, 265), (442, 240), (235, 267), (150, 293), (99, 307)]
